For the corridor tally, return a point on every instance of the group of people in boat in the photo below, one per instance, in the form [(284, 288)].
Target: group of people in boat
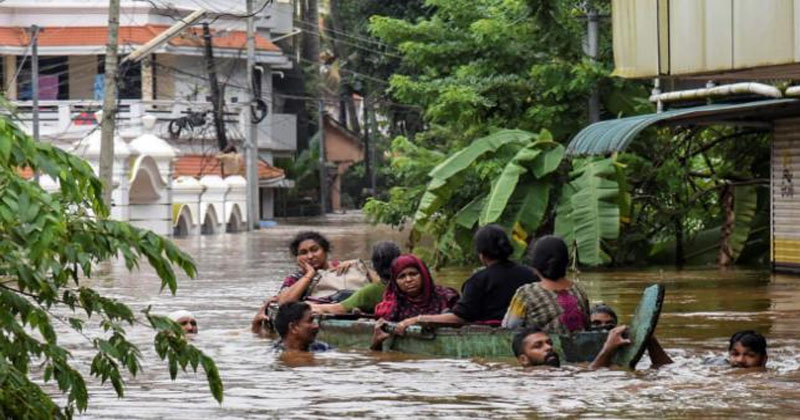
[(537, 299)]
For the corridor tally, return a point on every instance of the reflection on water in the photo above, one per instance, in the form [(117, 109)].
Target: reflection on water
[(702, 309)]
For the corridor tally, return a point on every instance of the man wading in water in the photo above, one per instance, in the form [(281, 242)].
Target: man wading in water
[(298, 329), (533, 347)]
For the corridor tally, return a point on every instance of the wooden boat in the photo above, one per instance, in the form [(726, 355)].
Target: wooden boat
[(483, 341)]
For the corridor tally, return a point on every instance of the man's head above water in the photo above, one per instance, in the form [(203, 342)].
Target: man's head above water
[(186, 320), (296, 325), (602, 317), (747, 349), (533, 347)]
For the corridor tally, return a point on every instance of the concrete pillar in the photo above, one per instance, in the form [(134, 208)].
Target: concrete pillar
[(267, 203), (64, 117), (9, 69), (148, 82), (164, 80)]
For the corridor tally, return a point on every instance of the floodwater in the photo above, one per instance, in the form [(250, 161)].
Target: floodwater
[(237, 271)]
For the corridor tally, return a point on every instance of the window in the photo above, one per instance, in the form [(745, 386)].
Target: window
[(53, 79), (130, 81)]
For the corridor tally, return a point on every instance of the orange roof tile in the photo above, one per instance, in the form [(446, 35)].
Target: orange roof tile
[(199, 165), (68, 36)]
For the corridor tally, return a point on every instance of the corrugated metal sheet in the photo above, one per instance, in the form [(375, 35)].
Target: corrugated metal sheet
[(610, 136), (700, 35), (683, 37), (763, 32), (635, 37), (785, 184)]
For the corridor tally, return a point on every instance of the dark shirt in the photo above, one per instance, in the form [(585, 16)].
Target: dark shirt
[(314, 347), (486, 295)]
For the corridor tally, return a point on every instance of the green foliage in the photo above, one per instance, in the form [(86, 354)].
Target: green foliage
[(588, 211), (474, 67), (49, 243)]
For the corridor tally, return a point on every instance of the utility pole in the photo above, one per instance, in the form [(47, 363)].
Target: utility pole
[(592, 48), (35, 79), (323, 169), (35, 84), (216, 100), (109, 103), (251, 139), (373, 177), (367, 157)]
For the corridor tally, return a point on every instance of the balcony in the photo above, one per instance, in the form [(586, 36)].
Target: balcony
[(185, 124)]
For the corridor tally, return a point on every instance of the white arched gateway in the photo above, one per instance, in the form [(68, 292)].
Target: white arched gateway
[(210, 224), (186, 212), (183, 222), (148, 200)]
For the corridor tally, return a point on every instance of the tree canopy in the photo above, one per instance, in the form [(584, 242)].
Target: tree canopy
[(479, 68), (50, 243)]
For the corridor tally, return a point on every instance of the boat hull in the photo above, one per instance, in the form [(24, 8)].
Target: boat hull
[(483, 341)]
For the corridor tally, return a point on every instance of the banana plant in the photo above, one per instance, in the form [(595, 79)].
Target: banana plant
[(588, 211), (517, 199)]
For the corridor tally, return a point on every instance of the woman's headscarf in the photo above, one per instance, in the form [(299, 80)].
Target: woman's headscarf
[(397, 306)]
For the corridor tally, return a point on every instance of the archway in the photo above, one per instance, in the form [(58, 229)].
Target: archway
[(210, 222), (234, 224), (183, 222), (147, 201)]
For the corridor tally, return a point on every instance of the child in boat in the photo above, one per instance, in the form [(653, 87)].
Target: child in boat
[(556, 304), (486, 295), (747, 349), (298, 329), (533, 347), (365, 298)]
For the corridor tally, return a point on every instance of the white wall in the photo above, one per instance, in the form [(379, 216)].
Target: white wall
[(95, 13)]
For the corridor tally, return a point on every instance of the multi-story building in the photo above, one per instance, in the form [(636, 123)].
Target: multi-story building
[(171, 86)]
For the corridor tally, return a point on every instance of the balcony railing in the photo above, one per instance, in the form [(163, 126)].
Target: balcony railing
[(179, 122)]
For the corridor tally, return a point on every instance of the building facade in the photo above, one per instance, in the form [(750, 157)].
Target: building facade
[(164, 109)]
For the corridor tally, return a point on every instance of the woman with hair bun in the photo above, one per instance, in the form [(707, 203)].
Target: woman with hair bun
[(485, 296), (556, 304)]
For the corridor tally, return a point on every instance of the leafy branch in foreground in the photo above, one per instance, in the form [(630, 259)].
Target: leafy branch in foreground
[(48, 244)]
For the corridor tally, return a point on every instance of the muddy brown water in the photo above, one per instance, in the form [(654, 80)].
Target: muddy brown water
[(237, 271)]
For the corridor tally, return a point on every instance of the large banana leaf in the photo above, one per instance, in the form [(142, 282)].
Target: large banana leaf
[(745, 203), (525, 212), (439, 189), (491, 143), (469, 214), (506, 183), (588, 211), (540, 159)]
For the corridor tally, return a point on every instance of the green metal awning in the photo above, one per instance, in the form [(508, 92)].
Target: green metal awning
[(610, 136)]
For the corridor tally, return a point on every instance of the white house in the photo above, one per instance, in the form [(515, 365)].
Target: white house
[(171, 86)]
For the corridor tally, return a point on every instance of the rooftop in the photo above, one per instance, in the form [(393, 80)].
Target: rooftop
[(81, 36)]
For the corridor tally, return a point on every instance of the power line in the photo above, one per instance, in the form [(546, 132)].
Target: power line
[(347, 34), (360, 47)]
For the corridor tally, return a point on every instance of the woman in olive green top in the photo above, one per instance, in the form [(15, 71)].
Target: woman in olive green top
[(365, 298)]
